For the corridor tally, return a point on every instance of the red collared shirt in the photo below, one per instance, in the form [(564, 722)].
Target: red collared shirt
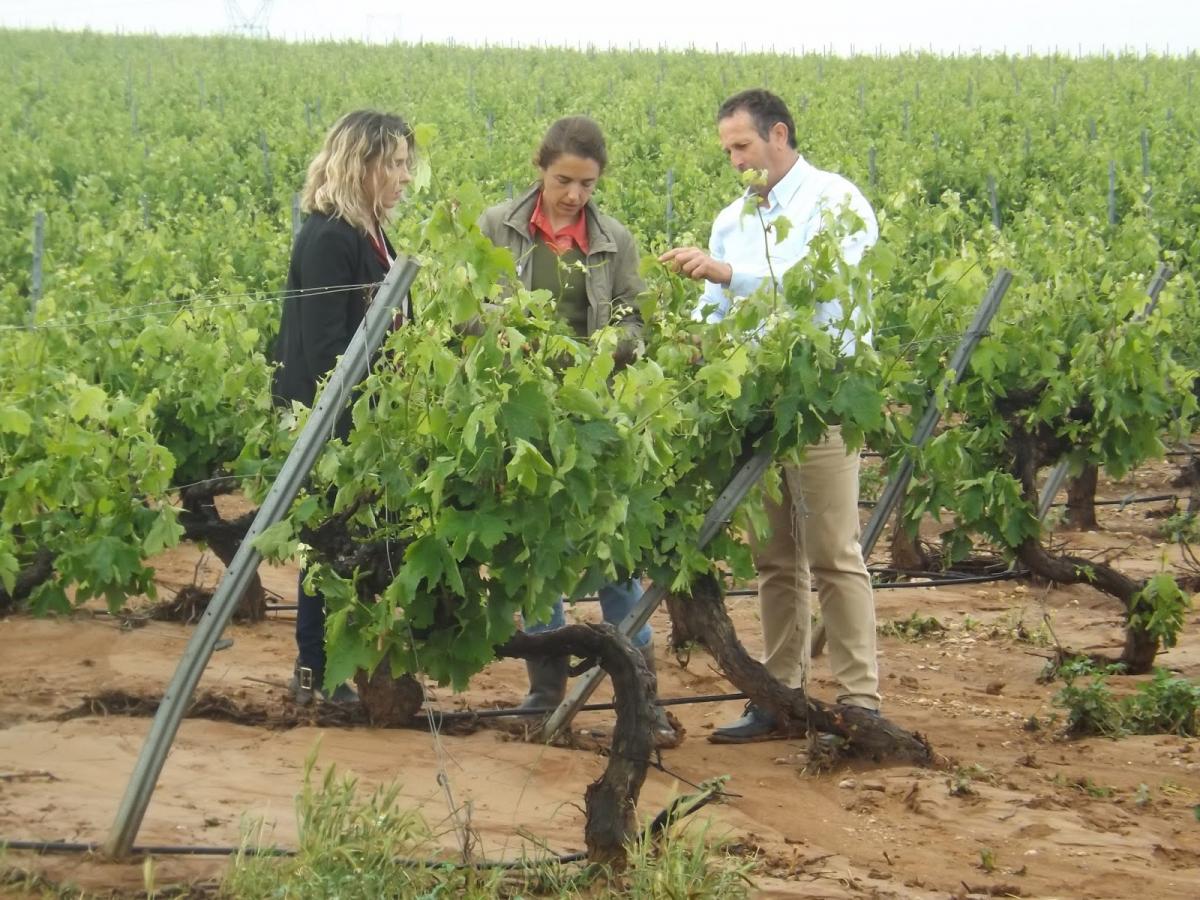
[(379, 245), (559, 241)]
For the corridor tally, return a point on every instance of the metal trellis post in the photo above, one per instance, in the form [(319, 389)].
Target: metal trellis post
[(266, 161), (35, 274), (893, 492), (333, 398), (994, 200), (1112, 192), (670, 203)]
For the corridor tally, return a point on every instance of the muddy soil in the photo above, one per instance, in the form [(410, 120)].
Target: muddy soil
[(1021, 812)]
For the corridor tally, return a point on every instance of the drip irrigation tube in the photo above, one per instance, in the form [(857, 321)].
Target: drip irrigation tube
[(184, 850), (533, 711), (1129, 501), (946, 582), (1124, 501), (993, 568), (148, 850)]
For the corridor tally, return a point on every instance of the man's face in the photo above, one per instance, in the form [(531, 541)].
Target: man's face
[(747, 149)]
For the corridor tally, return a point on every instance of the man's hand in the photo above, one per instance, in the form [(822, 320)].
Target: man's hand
[(695, 263)]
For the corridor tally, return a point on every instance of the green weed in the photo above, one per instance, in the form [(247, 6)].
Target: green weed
[(1085, 785), (353, 846), (1159, 609), (914, 628), (1012, 626), (987, 860), (1164, 705), (962, 782), (1182, 528), (1142, 796), (1091, 707)]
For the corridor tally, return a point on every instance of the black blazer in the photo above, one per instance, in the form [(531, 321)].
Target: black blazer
[(317, 323)]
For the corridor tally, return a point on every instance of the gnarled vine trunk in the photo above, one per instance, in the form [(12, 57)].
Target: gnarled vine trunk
[(37, 572), (1189, 477), (389, 700), (202, 521), (611, 800), (681, 634), (1140, 647), (865, 734), (907, 555), (1081, 500)]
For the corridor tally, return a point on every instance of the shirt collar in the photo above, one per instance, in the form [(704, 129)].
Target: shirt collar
[(559, 241), (782, 194)]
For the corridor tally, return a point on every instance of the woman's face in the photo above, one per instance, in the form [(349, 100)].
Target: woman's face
[(389, 176), (567, 185)]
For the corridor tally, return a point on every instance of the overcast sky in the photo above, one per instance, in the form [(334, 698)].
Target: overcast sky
[(946, 25)]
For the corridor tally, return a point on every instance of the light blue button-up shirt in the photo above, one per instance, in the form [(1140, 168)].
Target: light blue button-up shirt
[(803, 195)]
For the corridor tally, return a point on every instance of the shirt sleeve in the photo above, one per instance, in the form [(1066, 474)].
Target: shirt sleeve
[(324, 315), (857, 243), (714, 295), (853, 246)]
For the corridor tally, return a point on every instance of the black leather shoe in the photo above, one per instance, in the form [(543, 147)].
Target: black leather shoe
[(862, 709), (755, 725)]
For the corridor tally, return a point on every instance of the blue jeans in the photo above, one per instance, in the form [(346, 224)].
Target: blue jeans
[(617, 600), (310, 628)]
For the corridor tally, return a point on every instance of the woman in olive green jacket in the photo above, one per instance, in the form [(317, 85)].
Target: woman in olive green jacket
[(554, 226), (551, 229)]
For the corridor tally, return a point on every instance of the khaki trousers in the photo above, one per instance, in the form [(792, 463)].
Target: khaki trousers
[(814, 529)]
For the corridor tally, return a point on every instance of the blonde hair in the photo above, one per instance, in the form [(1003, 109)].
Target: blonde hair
[(338, 175)]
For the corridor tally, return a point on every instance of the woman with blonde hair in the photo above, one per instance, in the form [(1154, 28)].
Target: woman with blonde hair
[(338, 259)]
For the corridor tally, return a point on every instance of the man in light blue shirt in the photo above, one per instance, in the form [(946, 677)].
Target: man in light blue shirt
[(815, 527)]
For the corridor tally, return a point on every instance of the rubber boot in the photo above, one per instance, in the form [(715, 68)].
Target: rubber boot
[(547, 682), (660, 728), (307, 688)]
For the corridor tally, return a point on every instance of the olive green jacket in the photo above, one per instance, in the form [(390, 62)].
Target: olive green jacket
[(612, 279)]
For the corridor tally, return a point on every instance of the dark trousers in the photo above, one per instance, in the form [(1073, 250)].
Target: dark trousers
[(310, 628)]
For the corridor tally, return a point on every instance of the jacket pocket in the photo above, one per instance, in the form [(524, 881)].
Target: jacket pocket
[(600, 293)]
